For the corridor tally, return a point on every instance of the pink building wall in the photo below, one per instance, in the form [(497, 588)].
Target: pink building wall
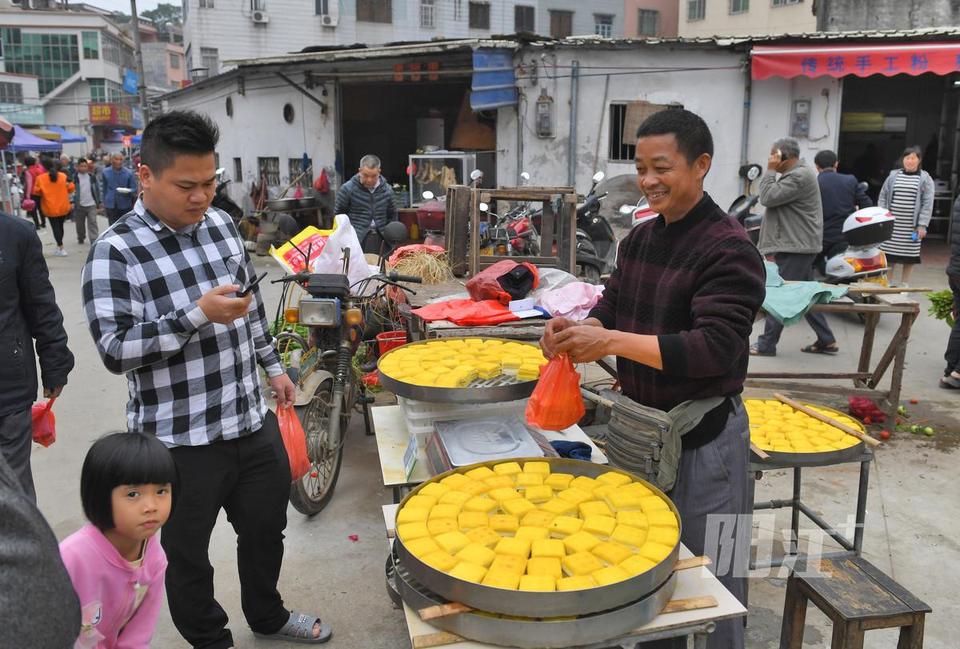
[(669, 16)]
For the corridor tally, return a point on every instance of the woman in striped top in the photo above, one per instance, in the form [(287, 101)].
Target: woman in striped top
[(908, 194)]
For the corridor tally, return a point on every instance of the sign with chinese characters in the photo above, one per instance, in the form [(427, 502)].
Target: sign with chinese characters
[(861, 60), (111, 114), (23, 114)]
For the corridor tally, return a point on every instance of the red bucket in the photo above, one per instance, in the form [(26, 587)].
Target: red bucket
[(391, 339)]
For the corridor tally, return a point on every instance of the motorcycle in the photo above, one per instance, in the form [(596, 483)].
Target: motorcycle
[(223, 202), (320, 363), (862, 258), (596, 241), (431, 217), (512, 234)]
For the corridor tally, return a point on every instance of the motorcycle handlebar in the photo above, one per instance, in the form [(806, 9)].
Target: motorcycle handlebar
[(396, 277)]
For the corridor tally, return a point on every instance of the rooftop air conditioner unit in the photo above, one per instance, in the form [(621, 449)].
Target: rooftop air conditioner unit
[(328, 21), (260, 17)]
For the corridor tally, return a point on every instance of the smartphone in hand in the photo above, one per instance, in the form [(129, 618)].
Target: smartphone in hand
[(249, 287)]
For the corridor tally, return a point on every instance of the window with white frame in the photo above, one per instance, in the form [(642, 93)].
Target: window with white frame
[(206, 4), (11, 93), (739, 6), (603, 25), (210, 59), (428, 14), (458, 10), (697, 9), (781, 3), (648, 22)]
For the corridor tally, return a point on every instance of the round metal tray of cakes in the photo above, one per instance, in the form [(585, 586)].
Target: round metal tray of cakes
[(540, 541), (794, 438), (462, 370)]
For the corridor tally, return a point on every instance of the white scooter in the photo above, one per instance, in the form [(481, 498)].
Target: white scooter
[(864, 231)]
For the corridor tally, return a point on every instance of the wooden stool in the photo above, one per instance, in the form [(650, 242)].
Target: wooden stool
[(857, 597)]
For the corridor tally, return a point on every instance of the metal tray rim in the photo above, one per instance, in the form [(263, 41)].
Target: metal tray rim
[(821, 458), (547, 604), (496, 393), (546, 634)]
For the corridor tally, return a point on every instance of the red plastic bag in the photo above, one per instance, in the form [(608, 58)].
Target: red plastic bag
[(295, 441), (322, 183), (44, 423), (556, 402), (467, 313), (504, 281)]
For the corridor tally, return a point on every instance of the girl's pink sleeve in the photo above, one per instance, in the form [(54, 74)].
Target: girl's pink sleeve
[(138, 632)]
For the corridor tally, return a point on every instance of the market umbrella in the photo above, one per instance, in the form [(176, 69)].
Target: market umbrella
[(44, 133), (65, 135), (25, 141)]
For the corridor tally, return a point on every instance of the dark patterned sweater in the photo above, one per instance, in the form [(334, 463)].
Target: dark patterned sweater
[(696, 284)]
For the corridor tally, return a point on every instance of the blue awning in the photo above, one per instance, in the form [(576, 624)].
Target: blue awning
[(65, 135), (26, 141), (494, 81)]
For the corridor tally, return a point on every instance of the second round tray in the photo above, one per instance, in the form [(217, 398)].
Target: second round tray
[(823, 458), (541, 604), (501, 388)]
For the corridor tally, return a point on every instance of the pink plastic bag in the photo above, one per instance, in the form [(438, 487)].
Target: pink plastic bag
[(44, 423)]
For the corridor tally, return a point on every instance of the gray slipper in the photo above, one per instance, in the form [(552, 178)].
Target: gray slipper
[(950, 383), (299, 628)]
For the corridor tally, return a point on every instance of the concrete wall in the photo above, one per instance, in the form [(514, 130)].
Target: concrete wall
[(715, 94), (770, 115), (669, 16), (761, 17), (890, 14), (257, 128), (69, 110), (156, 64)]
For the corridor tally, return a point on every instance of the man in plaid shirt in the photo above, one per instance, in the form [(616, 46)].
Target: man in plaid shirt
[(160, 290)]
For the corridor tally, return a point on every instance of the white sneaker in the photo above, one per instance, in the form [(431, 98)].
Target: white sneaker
[(59, 252)]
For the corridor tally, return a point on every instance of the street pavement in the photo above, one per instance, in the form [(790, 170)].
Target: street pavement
[(911, 529)]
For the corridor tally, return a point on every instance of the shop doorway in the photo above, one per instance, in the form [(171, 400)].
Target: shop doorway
[(395, 120), (881, 116)]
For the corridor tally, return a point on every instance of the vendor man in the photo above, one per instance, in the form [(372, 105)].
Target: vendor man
[(677, 313), (368, 200)]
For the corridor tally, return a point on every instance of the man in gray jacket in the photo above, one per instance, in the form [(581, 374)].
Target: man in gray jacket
[(792, 233), (368, 200)]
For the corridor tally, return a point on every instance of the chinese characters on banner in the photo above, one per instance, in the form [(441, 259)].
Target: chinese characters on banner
[(856, 60), (111, 114)]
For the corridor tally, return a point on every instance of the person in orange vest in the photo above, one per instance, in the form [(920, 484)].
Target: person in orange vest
[(54, 189)]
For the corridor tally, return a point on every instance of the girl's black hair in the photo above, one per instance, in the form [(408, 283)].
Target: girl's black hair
[(915, 150), (29, 161), (51, 167), (121, 459)]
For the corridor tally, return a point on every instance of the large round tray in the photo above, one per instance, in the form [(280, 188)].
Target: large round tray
[(823, 458), (537, 633), (501, 388), (541, 604)]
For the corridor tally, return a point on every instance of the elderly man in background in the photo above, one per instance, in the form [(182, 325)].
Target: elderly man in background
[(792, 233), (119, 189), (368, 200)]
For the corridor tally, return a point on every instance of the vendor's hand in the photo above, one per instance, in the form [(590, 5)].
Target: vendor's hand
[(52, 393), (220, 308), (283, 389), (583, 344), (554, 326), (921, 233)]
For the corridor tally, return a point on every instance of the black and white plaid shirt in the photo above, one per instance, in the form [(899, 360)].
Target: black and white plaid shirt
[(191, 381)]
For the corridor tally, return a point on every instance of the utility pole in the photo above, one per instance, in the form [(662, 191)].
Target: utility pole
[(138, 61)]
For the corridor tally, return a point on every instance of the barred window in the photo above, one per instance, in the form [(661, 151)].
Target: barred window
[(11, 93), (479, 15), (295, 167), (269, 168)]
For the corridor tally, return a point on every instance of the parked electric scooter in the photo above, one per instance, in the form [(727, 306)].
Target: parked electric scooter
[(222, 201), (864, 231), (596, 241)]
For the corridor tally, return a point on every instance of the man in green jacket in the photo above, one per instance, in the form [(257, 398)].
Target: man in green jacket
[(792, 235)]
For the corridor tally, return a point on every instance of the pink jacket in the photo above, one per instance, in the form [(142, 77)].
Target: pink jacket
[(119, 604)]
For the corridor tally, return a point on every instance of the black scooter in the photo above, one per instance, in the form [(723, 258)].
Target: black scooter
[(596, 242), (222, 201)]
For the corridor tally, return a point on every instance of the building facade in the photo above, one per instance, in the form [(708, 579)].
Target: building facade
[(78, 59), (846, 15), (164, 63), (747, 18), (219, 31)]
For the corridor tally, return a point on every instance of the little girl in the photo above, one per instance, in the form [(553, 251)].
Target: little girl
[(127, 487)]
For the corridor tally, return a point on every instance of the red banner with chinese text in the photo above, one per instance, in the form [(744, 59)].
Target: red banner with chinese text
[(858, 60), (111, 114)]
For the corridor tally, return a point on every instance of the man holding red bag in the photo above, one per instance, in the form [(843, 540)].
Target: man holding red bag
[(28, 313), (677, 312)]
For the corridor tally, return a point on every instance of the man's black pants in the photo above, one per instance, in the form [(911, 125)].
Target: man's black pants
[(953, 344), (114, 214), (250, 479)]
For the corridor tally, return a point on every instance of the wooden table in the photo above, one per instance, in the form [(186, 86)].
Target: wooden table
[(691, 583), (865, 381), (393, 438)]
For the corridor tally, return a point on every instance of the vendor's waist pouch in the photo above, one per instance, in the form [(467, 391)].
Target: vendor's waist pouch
[(648, 441)]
